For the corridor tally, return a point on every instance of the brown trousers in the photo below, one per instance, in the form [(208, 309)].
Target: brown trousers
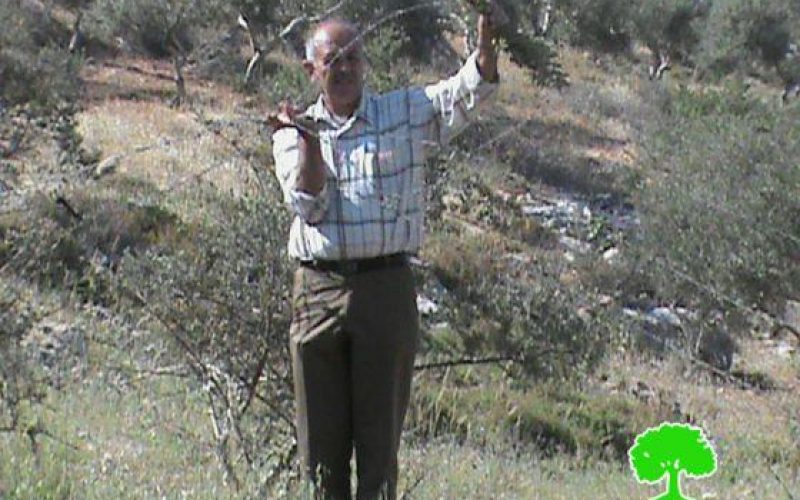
[(353, 340)]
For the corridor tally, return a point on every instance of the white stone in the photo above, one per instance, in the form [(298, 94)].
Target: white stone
[(611, 255), (785, 349), (664, 315), (426, 306), (107, 166), (538, 210), (574, 244)]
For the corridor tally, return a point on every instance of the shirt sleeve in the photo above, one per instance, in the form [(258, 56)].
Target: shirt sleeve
[(285, 150), (455, 99)]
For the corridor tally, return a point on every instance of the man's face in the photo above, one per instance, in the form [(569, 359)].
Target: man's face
[(339, 67)]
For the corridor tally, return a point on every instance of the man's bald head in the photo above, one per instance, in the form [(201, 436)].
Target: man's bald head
[(335, 60), (338, 31)]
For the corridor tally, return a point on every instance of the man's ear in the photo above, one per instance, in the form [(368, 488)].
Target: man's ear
[(308, 66)]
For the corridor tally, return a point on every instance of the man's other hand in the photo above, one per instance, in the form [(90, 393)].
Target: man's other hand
[(285, 116)]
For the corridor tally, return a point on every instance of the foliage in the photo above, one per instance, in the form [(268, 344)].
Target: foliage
[(741, 32), (222, 303), (33, 68), (529, 317), (388, 68), (674, 26), (158, 28), (63, 250), (289, 82), (529, 51), (719, 211), (601, 25), (22, 383), (548, 418), (418, 30)]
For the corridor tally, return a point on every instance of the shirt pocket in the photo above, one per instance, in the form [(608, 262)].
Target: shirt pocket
[(361, 172)]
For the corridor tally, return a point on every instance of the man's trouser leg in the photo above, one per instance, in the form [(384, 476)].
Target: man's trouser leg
[(383, 328), (353, 342), (320, 352)]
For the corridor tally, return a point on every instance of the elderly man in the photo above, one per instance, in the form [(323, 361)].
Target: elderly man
[(355, 182)]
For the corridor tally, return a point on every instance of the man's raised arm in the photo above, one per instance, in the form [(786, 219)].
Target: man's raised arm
[(455, 99)]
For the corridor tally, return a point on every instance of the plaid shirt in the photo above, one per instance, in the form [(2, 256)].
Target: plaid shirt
[(373, 201)]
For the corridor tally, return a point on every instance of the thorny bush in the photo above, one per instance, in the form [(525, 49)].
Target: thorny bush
[(221, 299)]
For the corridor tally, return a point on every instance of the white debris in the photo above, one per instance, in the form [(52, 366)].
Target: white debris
[(663, 315), (611, 255), (538, 211), (785, 349), (426, 306), (107, 166), (791, 315), (631, 313), (574, 244)]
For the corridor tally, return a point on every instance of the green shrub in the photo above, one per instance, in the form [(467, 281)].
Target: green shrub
[(158, 28), (671, 26), (529, 316), (546, 419), (289, 82), (741, 32), (720, 212), (388, 69), (33, 69), (601, 25), (58, 249)]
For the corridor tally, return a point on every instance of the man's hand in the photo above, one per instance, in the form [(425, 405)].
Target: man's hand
[(487, 54), (282, 118), (311, 175), (289, 115)]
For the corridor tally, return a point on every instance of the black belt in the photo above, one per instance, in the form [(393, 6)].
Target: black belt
[(356, 266)]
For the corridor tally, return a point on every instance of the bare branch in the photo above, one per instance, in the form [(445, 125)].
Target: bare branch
[(468, 362)]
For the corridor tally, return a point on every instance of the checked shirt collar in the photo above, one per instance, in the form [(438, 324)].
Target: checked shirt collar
[(319, 112)]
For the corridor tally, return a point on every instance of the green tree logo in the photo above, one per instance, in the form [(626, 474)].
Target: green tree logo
[(670, 450)]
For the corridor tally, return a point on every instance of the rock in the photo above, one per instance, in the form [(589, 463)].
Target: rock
[(791, 314), (643, 391), (632, 313), (520, 257), (453, 201), (426, 306), (538, 211), (717, 348), (584, 313), (55, 343), (661, 329), (509, 196), (605, 300), (664, 315), (574, 245), (785, 349), (107, 166), (611, 255)]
